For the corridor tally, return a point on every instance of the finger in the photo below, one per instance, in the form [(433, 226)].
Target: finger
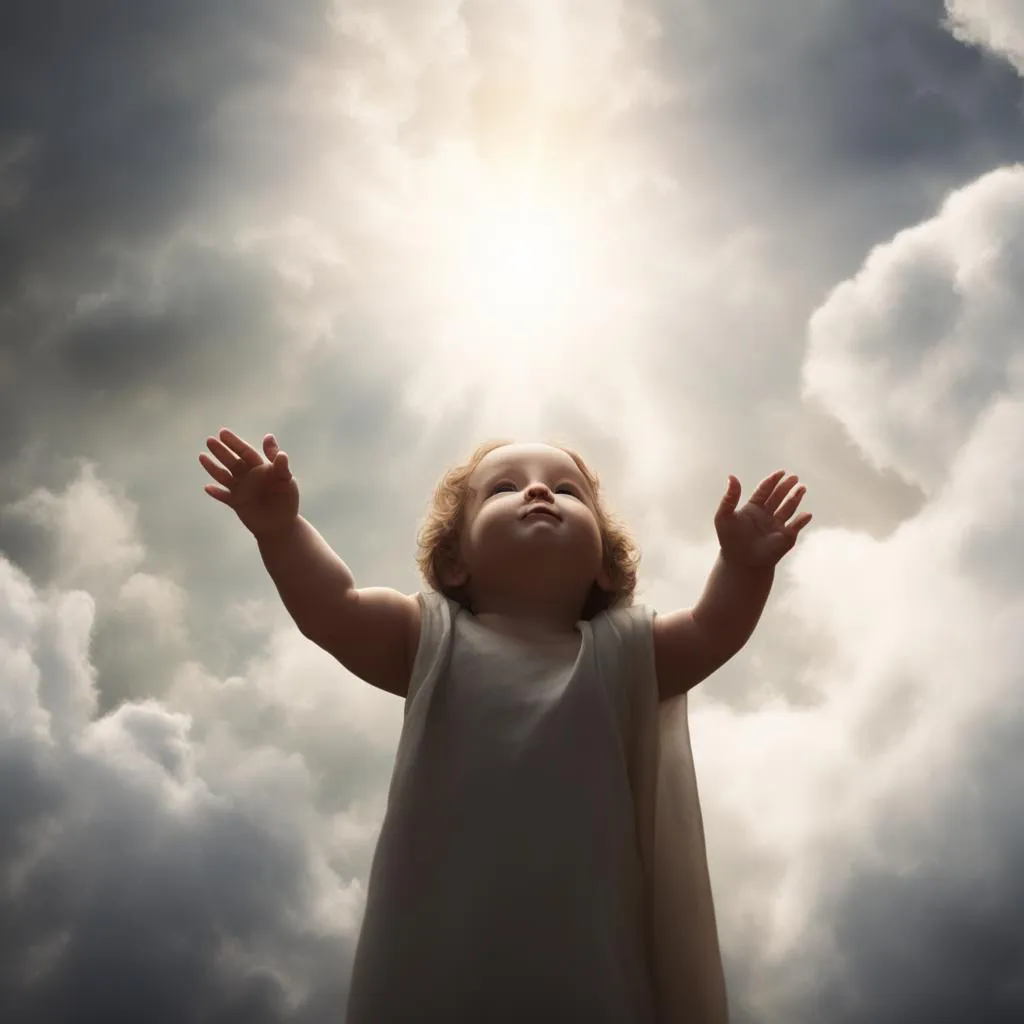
[(219, 473), (791, 506), (766, 486), (225, 454), (242, 449), (281, 466), (779, 492), (730, 499), (270, 447), (801, 521), (216, 492)]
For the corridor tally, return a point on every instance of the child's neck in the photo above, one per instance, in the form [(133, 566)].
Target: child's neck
[(536, 628)]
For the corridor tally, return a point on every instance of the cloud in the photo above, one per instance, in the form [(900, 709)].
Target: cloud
[(996, 25), (243, 215), (202, 854), (911, 352), (94, 161), (147, 875), (93, 532), (882, 815)]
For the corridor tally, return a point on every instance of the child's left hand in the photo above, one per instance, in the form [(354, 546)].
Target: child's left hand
[(758, 535)]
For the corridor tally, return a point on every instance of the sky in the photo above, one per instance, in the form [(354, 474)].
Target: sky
[(687, 239)]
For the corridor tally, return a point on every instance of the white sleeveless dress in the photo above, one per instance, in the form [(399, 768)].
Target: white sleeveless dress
[(542, 855)]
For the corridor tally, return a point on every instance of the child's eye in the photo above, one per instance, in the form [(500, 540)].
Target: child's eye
[(507, 485)]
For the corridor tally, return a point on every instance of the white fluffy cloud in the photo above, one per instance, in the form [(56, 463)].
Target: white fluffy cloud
[(207, 847), (915, 349), (995, 24), (92, 531), (898, 776), (129, 853)]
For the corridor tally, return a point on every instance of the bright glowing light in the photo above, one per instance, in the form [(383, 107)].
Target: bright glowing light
[(516, 288), (526, 287), (517, 269)]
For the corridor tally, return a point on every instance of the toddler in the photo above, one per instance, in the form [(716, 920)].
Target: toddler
[(542, 856)]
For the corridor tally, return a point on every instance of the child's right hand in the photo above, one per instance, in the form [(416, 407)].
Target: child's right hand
[(263, 493)]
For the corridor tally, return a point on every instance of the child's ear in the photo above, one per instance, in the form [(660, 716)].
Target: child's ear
[(604, 580)]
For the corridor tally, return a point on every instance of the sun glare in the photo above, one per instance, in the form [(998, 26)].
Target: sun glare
[(523, 300), (517, 268), (515, 290)]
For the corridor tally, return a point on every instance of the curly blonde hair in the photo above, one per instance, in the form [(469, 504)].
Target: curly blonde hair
[(438, 538)]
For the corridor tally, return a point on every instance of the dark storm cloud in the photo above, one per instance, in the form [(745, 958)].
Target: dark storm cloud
[(105, 114), (924, 923), (150, 870), (824, 94), (136, 883), (142, 879), (810, 132), (940, 940), (127, 130), (141, 139), (134, 893), (107, 110)]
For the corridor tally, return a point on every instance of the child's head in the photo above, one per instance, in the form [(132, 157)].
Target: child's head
[(475, 534)]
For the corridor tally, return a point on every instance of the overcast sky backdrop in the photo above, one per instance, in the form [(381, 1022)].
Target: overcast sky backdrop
[(689, 239)]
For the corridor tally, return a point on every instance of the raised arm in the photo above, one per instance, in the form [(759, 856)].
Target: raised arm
[(690, 645), (373, 632)]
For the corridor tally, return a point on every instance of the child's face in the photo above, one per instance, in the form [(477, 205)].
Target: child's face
[(506, 550)]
